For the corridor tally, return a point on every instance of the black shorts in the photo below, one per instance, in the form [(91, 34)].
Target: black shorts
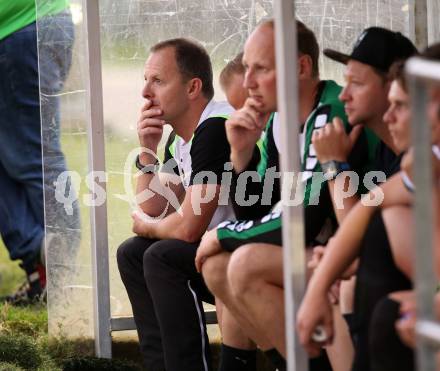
[(233, 234)]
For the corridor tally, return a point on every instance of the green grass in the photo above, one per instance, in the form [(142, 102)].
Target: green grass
[(25, 345), (11, 275), (30, 321)]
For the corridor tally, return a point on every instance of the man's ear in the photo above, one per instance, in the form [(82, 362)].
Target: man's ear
[(194, 88), (305, 67)]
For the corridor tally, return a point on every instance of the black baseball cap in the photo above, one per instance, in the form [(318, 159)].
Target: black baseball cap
[(377, 47)]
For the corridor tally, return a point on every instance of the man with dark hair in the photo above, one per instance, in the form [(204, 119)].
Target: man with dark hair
[(308, 45), (192, 61), (157, 266)]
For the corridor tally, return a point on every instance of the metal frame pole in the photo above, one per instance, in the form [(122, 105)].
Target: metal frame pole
[(98, 214), (418, 22), (293, 226), (433, 22), (419, 71)]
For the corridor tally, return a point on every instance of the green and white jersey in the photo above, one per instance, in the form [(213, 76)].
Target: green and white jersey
[(265, 160), (327, 108), (319, 218)]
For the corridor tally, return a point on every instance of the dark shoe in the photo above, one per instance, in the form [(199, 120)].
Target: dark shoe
[(33, 290)]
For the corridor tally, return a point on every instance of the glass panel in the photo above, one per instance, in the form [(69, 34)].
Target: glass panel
[(128, 29), (337, 24), (433, 20), (61, 47)]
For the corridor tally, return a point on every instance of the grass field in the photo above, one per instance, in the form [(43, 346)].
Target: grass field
[(26, 345), (11, 274)]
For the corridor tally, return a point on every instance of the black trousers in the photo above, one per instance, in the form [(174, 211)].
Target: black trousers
[(387, 351), (166, 295)]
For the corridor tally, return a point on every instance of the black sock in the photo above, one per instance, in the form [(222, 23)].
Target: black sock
[(234, 359), (276, 358)]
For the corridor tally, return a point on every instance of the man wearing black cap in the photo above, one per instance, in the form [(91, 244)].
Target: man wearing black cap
[(365, 98)]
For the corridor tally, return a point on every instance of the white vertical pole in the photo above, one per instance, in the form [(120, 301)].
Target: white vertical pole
[(98, 214), (425, 277), (423, 215), (293, 226)]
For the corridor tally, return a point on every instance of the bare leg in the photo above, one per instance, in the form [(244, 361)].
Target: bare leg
[(347, 295), (235, 328), (255, 273), (341, 352), (233, 334)]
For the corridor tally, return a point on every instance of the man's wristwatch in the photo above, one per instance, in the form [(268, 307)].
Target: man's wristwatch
[(331, 169), (147, 169)]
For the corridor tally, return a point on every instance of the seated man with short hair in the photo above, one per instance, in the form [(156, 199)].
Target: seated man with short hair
[(157, 266)]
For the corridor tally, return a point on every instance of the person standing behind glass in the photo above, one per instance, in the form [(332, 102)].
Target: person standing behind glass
[(23, 141)]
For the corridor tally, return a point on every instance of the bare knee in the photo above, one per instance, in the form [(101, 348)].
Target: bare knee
[(243, 271), (214, 273), (254, 265)]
